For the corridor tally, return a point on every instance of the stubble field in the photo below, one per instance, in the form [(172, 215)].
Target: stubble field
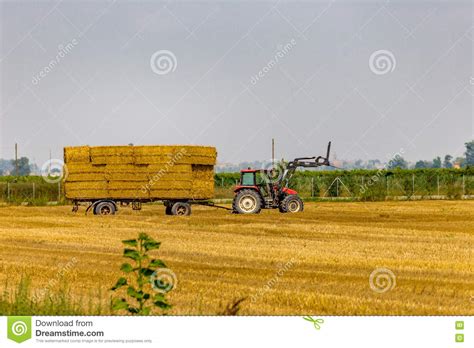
[(420, 255)]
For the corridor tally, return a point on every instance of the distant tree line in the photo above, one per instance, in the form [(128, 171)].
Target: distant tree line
[(9, 167), (438, 162)]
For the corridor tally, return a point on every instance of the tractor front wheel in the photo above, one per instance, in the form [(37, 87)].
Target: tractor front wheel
[(247, 202), (291, 204)]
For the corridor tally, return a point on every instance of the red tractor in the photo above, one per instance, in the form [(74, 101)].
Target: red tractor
[(267, 189)]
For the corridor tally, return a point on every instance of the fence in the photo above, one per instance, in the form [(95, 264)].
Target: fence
[(30, 192), (372, 185), (357, 185)]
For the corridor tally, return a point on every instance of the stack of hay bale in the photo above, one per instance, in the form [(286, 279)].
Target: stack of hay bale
[(139, 172)]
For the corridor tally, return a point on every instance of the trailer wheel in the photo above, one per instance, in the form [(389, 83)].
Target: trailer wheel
[(247, 202), (181, 208), (291, 204), (105, 208)]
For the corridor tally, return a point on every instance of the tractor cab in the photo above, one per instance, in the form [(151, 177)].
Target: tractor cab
[(260, 180)]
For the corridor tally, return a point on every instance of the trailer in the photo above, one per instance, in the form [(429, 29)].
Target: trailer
[(107, 177)]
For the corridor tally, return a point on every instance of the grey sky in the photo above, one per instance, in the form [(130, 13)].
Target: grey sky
[(315, 83)]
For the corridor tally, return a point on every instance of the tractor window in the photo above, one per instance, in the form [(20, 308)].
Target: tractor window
[(260, 179), (248, 179)]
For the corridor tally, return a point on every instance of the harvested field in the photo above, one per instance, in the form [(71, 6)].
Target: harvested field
[(317, 262)]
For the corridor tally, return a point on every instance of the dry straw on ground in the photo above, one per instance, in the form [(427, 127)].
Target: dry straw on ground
[(149, 172), (218, 256)]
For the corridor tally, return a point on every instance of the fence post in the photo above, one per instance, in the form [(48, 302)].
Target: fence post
[(222, 181), (386, 180), (59, 191), (337, 187), (437, 177), (413, 184), (312, 186), (34, 190), (463, 186), (8, 191)]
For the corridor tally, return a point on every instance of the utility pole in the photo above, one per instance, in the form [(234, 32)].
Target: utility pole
[(16, 159), (273, 153)]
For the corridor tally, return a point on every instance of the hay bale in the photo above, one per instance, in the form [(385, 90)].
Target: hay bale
[(77, 154), (151, 172)]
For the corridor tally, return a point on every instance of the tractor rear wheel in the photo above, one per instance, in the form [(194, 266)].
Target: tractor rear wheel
[(291, 204), (181, 208), (247, 202)]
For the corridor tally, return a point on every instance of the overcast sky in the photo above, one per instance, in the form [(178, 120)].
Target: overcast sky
[(374, 77)]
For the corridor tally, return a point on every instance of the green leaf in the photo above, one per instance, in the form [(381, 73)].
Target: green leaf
[(133, 310), (131, 242), (119, 303), (126, 267), (147, 272), (134, 293), (120, 282), (143, 236), (157, 263), (162, 304), (146, 311), (151, 245), (132, 254)]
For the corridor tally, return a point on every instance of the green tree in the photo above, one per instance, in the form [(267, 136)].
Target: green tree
[(397, 162), (447, 161), (437, 162), (422, 164), (23, 166), (469, 153)]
